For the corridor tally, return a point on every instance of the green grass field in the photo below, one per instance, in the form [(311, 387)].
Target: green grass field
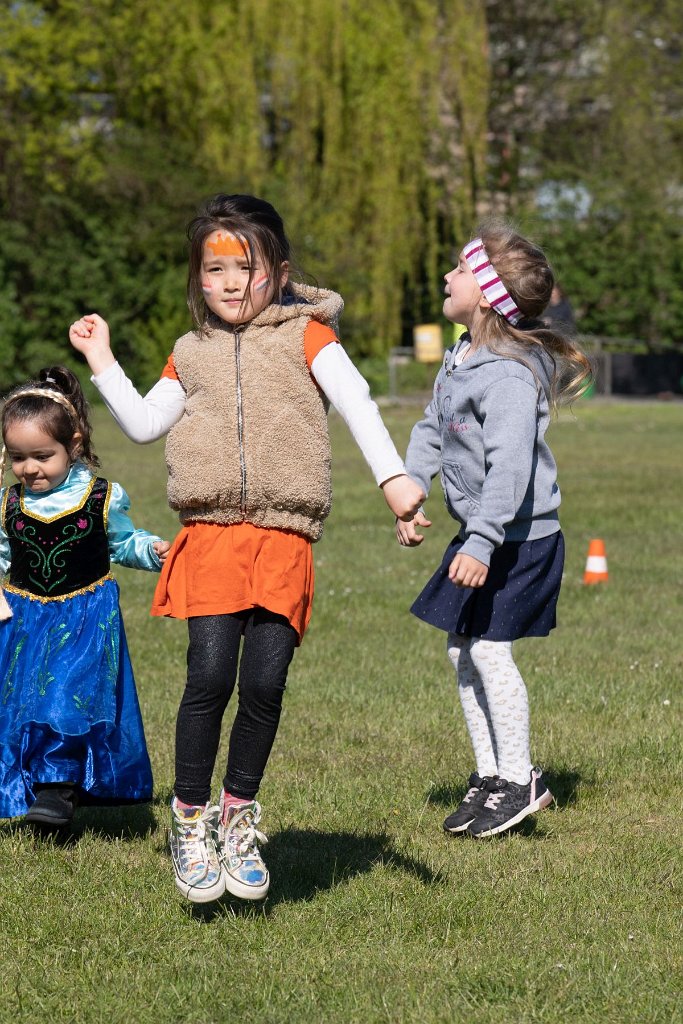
[(374, 915)]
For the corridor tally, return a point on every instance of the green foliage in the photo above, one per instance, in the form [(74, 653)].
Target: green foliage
[(590, 104), (380, 131), (120, 118), (637, 296)]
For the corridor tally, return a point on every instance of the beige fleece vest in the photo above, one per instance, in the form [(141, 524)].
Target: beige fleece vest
[(252, 444)]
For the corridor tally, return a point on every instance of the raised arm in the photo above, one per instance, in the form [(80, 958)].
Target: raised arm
[(142, 419)]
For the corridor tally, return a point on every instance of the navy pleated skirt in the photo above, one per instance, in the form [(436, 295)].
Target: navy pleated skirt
[(518, 599)]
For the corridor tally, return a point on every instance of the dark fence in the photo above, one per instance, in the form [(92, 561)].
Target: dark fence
[(621, 367), (633, 373)]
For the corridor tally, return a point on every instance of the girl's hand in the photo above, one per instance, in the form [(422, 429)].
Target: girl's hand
[(406, 533), (466, 571), (162, 548), (90, 335), (403, 496)]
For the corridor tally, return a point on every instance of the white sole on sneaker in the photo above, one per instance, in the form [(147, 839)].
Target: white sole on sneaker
[(243, 891), (538, 805), (197, 894), (459, 829)]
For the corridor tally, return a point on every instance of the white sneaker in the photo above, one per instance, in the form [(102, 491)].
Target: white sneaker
[(197, 868), (246, 876)]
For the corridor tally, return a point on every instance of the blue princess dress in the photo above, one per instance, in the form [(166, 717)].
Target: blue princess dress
[(69, 710)]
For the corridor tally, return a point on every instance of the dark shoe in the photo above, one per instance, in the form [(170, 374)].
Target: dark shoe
[(508, 803), (54, 806), (471, 805)]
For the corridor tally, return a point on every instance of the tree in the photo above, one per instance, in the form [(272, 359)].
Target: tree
[(585, 112), (364, 125)]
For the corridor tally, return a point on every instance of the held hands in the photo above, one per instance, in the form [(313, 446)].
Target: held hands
[(90, 335), (161, 549), (465, 571), (403, 496), (406, 532)]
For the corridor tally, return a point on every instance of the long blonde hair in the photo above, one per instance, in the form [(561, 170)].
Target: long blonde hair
[(524, 270)]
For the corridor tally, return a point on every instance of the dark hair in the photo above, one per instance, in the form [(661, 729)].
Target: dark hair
[(523, 268), (251, 219), (60, 421)]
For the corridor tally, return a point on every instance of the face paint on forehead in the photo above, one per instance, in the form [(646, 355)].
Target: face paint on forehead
[(228, 245)]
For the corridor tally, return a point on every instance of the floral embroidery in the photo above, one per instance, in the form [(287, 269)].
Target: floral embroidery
[(45, 677), (8, 688), (111, 644), (61, 553)]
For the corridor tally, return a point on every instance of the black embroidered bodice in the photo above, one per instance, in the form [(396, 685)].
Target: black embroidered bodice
[(63, 554)]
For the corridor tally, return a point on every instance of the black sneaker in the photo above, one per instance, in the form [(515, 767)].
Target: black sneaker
[(470, 806), (508, 803), (53, 806)]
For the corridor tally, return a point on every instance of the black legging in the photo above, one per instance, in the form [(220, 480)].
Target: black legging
[(212, 659)]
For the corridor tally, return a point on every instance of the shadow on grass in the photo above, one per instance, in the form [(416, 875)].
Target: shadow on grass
[(563, 784), (135, 821), (305, 862)]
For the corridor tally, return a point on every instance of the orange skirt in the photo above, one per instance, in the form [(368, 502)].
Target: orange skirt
[(219, 570)]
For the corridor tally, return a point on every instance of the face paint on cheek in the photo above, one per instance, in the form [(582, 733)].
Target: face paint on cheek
[(260, 283), (206, 287)]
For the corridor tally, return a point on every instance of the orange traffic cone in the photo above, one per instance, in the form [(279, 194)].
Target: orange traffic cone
[(596, 563)]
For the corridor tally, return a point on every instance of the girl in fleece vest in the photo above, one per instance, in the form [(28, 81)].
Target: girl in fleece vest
[(243, 400), (484, 432)]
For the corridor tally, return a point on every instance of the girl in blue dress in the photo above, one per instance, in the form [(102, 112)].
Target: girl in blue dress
[(70, 724)]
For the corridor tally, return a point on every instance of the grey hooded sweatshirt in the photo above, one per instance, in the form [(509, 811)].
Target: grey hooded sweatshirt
[(484, 432)]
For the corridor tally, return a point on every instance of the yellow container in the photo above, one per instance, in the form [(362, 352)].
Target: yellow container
[(428, 343)]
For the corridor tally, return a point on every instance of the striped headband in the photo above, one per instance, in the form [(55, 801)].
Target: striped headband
[(492, 288)]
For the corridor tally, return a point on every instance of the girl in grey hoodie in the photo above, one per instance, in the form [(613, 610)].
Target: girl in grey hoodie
[(484, 433)]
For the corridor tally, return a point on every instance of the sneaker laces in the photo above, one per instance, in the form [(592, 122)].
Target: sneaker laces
[(242, 835), (192, 834), (247, 840)]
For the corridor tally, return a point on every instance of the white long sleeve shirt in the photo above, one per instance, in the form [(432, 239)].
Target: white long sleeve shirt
[(146, 419)]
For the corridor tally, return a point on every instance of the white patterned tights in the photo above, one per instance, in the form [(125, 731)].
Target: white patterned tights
[(495, 704)]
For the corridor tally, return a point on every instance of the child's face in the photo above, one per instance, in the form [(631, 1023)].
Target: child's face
[(38, 461), (225, 279), (463, 294)]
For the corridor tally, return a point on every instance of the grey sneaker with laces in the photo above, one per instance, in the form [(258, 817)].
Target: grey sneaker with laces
[(197, 868)]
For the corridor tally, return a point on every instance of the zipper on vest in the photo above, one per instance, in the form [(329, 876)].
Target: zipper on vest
[(240, 428)]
